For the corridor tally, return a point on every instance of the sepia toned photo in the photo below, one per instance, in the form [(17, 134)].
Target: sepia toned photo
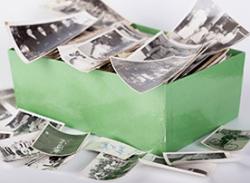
[(227, 139), (191, 157), (196, 25), (144, 76), (54, 142), (19, 147), (107, 167), (35, 40), (160, 47)]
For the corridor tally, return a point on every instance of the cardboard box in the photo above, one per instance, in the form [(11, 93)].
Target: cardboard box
[(164, 119)]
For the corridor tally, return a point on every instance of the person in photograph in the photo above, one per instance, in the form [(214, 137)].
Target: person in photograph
[(102, 46), (19, 120), (197, 19)]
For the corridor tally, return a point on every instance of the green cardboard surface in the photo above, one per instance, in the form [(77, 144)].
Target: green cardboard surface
[(164, 119)]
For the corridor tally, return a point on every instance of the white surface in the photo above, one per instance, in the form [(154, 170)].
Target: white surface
[(164, 14)]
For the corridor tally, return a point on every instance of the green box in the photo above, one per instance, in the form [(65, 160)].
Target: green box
[(164, 119)]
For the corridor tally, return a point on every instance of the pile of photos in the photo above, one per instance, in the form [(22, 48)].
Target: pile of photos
[(31, 140), (91, 36)]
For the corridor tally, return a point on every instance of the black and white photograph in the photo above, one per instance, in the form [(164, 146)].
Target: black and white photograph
[(7, 93), (111, 147), (96, 8), (108, 44), (227, 139), (44, 162), (196, 25), (24, 122), (198, 169), (190, 169), (225, 33), (160, 47), (107, 167), (153, 160), (130, 32), (19, 147), (94, 53), (34, 40), (144, 76), (4, 114), (194, 157), (5, 135), (54, 142), (35, 123)]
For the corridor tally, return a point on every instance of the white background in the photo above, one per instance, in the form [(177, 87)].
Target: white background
[(163, 14)]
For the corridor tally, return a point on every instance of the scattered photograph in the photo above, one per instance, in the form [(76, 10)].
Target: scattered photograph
[(193, 157), (196, 25), (7, 93), (204, 169), (145, 76), (19, 147), (5, 135), (24, 122), (190, 169), (35, 40), (44, 162), (54, 142), (153, 160), (35, 123), (107, 167), (111, 147), (227, 139), (4, 114), (225, 33), (160, 47)]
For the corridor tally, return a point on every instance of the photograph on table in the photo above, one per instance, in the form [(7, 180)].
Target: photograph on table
[(173, 158), (44, 162), (54, 142), (5, 135), (196, 169), (111, 147), (108, 167), (4, 114), (24, 122), (227, 139), (19, 147)]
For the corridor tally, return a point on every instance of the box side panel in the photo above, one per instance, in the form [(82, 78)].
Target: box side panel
[(98, 102), (203, 101)]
